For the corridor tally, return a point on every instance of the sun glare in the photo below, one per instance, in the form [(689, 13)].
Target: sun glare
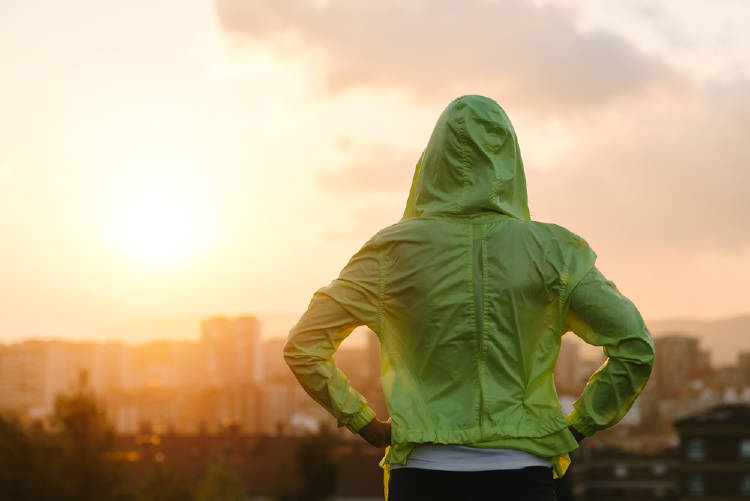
[(155, 224)]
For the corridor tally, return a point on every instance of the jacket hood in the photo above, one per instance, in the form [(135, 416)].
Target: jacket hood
[(471, 164)]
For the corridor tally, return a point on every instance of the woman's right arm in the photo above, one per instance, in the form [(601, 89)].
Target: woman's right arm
[(600, 315)]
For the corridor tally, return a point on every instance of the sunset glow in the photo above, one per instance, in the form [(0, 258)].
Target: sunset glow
[(155, 225), (242, 153)]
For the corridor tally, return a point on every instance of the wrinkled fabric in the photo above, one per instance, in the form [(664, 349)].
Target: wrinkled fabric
[(470, 298)]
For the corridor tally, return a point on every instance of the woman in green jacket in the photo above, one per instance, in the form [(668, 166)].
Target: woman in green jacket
[(470, 298)]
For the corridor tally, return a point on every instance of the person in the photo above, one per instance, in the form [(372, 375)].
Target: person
[(469, 299)]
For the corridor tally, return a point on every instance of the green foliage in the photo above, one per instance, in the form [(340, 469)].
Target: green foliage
[(220, 483), (85, 436), (68, 464), (26, 469), (163, 484)]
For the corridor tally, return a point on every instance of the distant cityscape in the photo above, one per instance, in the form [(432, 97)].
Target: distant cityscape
[(687, 435), (231, 378), (227, 379)]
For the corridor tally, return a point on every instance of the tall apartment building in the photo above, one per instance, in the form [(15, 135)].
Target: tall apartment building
[(743, 368), (677, 357), (32, 373), (111, 367), (275, 368), (233, 350)]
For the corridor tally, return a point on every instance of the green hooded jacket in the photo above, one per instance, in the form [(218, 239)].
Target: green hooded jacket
[(470, 298)]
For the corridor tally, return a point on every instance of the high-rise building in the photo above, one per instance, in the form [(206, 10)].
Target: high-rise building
[(677, 357), (275, 368), (743, 369), (22, 383), (32, 373), (111, 367), (232, 349)]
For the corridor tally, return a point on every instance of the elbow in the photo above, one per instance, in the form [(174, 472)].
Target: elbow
[(295, 359), (649, 354), (290, 353), (296, 356), (646, 354), (643, 358), (636, 351)]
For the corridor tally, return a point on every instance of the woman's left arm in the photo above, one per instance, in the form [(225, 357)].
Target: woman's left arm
[(309, 353)]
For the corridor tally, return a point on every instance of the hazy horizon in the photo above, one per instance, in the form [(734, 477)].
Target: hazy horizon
[(275, 329)]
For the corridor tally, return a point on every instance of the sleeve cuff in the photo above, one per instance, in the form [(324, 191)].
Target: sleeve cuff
[(581, 423), (359, 421)]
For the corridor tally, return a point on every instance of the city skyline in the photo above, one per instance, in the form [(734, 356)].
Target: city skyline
[(722, 339), (230, 376)]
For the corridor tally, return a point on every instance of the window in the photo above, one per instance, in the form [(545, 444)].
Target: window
[(620, 471), (696, 486), (745, 449), (695, 449), (745, 484), (659, 469)]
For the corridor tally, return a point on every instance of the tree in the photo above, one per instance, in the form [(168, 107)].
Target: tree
[(163, 484), (26, 469), (315, 473), (68, 464), (220, 483), (85, 436)]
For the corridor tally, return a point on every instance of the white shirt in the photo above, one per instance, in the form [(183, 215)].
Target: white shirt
[(463, 458)]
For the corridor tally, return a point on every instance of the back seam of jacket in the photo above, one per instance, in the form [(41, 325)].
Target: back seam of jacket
[(478, 307), (485, 329), (473, 315)]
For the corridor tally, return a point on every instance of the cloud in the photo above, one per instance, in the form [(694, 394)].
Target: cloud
[(666, 171), (649, 157), (659, 170), (367, 220), (375, 170), (435, 49)]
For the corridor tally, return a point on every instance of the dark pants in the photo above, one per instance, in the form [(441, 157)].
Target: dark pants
[(533, 483)]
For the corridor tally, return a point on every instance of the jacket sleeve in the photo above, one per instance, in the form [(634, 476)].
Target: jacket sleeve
[(600, 315), (309, 353)]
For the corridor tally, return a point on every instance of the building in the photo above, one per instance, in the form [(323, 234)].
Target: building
[(23, 377), (743, 368), (263, 463), (602, 473), (232, 349), (288, 410), (677, 359), (275, 368), (715, 454), (32, 373), (111, 367)]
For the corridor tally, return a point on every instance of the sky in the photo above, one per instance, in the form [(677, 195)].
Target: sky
[(182, 159)]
